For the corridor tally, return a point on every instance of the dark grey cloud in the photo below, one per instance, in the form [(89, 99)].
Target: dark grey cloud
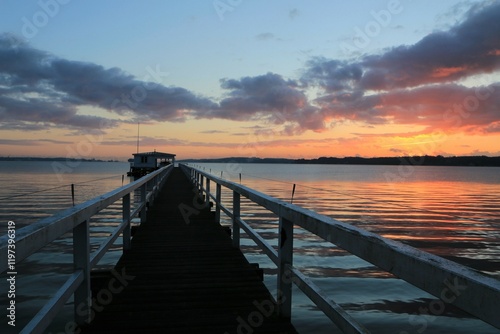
[(31, 142), (408, 84), (445, 107), (33, 112), (21, 126), (405, 84), (270, 98), (416, 84), (471, 47), (333, 75), (38, 87)]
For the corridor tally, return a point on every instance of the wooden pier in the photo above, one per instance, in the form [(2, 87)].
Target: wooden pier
[(183, 275)]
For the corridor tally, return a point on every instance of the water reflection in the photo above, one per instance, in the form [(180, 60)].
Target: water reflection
[(451, 212), (456, 216)]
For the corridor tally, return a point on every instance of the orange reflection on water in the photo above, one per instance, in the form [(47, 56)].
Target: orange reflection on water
[(442, 238), (452, 211)]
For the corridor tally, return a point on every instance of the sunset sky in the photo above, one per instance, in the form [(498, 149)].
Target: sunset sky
[(220, 78)]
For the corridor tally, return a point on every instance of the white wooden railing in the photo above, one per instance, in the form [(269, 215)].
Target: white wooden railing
[(452, 283), (31, 238)]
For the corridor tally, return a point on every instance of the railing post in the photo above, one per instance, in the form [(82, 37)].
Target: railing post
[(285, 257), (218, 196), (236, 217), (81, 261), (126, 221), (207, 191), (154, 184), (151, 185), (143, 201), (201, 187)]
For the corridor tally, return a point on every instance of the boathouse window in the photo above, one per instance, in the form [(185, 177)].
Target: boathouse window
[(144, 159)]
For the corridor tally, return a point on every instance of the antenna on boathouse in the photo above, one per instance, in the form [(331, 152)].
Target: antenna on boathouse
[(138, 137)]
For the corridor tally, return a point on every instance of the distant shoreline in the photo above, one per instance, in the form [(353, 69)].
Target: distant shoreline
[(427, 160), (53, 159)]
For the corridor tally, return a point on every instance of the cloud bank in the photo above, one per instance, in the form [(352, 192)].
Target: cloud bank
[(38, 87), (419, 84)]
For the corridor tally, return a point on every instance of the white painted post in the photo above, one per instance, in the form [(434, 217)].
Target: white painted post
[(81, 261), (285, 257), (236, 216), (143, 201), (218, 196), (126, 220), (201, 187), (208, 192), (151, 187)]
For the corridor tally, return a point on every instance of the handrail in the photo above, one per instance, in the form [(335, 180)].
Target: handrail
[(451, 282), (30, 239)]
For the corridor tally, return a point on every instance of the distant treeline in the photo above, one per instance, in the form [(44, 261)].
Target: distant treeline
[(426, 160), (52, 159)]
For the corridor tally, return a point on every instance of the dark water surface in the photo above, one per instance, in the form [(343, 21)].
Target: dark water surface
[(452, 212)]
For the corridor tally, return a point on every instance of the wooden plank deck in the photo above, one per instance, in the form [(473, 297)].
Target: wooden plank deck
[(183, 278)]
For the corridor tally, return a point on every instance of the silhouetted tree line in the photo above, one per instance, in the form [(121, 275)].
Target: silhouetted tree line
[(426, 160)]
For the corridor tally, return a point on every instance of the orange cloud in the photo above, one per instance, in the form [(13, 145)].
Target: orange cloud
[(446, 71)]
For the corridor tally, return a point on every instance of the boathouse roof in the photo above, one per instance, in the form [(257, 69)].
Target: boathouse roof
[(156, 154)]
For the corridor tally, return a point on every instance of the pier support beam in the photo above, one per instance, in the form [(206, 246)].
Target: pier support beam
[(126, 221), (81, 260), (207, 190), (143, 200), (285, 258), (236, 217), (218, 197), (200, 187)]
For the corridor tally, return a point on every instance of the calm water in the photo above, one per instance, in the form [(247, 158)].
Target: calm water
[(30, 191), (452, 212)]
